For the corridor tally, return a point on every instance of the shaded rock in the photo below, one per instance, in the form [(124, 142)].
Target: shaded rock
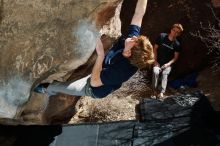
[(189, 115), (200, 127), (208, 82)]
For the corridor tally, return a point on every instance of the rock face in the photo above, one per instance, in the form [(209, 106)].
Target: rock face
[(45, 41), (53, 40)]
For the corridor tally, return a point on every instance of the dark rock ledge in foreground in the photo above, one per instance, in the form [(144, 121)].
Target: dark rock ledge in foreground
[(181, 120)]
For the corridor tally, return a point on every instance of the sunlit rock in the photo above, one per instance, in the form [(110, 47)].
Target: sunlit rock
[(42, 41)]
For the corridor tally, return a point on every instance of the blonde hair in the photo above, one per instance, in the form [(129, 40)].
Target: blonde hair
[(179, 26), (142, 54)]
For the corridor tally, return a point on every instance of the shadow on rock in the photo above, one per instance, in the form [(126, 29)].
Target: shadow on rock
[(34, 135)]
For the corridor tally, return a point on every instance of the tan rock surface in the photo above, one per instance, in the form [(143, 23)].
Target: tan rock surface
[(42, 41)]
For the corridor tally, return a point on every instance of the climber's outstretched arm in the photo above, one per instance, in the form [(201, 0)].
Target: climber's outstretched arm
[(139, 12)]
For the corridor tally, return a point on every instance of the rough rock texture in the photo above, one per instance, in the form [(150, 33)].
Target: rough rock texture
[(45, 41), (208, 82), (120, 105), (180, 120)]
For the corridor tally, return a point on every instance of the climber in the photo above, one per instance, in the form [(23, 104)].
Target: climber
[(111, 70)]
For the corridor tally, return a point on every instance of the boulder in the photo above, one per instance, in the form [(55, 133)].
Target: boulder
[(43, 41), (47, 41)]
